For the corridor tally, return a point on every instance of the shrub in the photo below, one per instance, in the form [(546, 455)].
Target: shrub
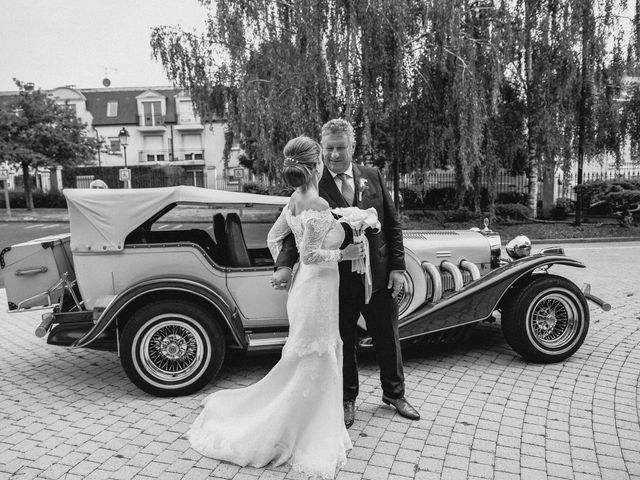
[(460, 215), (411, 198), (439, 198), (611, 196), (263, 189), (40, 200), (562, 208), (512, 211), (254, 187), (512, 197)]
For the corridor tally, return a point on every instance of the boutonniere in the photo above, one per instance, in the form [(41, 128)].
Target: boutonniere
[(363, 186)]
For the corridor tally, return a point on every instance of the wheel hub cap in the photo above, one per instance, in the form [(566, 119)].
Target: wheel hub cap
[(171, 350), (553, 321)]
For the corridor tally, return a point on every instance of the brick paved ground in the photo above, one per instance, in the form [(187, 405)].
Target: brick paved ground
[(485, 413)]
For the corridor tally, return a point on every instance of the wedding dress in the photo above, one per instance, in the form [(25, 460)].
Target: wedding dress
[(294, 414)]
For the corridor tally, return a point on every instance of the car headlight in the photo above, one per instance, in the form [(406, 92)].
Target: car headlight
[(519, 247)]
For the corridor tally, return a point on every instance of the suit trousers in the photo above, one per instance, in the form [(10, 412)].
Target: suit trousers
[(381, 316)]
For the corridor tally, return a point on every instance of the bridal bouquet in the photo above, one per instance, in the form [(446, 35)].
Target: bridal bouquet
[(359, 220)]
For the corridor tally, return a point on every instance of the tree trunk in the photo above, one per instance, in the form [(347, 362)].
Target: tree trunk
[(532, 160), (28, 195), (548, 185), (582, 107), (532, 191)]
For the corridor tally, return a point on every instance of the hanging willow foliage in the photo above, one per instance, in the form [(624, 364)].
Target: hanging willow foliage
[(475, 84)]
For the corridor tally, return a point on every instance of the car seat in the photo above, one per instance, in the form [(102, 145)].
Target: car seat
[(220, 238), (237, 252)]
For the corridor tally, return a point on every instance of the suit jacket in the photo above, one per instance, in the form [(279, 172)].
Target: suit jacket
[(386, 247)]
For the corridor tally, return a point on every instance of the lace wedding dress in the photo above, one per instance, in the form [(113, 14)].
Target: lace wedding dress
[(294, 414)]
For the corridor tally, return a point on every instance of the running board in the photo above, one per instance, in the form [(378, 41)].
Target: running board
[(264, 342)]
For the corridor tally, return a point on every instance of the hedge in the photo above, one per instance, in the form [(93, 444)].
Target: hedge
[(40, 200)]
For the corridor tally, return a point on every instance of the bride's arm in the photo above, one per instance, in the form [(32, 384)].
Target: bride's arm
[(317, 224), (278, 232)]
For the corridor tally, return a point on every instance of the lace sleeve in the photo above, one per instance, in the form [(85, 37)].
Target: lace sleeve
[(277, 233), (316, 225)]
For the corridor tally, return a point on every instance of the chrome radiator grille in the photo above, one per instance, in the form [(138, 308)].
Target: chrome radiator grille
[(447, 283)]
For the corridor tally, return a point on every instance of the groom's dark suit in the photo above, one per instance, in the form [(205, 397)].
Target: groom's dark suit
[(381, 313)]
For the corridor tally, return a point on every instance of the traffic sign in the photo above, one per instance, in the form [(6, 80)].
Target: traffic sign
[(124, 174), (4, 174), (238, 172)]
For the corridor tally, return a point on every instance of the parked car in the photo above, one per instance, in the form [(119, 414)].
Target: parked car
[(167, 279)]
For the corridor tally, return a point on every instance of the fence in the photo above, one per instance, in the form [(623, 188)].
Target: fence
[(571, 180), (424, 181)]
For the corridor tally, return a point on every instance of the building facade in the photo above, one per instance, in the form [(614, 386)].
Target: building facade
[(162, 128)]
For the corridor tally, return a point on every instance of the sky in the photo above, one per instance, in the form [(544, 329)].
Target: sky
[(80, 42)]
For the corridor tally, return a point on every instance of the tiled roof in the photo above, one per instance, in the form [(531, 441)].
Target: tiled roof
[(98, 98), (127, 114)]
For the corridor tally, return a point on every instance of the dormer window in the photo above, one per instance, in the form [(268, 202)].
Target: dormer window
[(152, 113), (112, 109)]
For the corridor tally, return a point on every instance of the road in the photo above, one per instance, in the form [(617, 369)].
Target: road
[(17, 232), (486, 414)]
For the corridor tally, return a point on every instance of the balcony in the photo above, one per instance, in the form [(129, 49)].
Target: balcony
[(150, 123), (177, 157)]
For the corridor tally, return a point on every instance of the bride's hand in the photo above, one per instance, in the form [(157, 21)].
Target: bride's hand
[(353, 251)]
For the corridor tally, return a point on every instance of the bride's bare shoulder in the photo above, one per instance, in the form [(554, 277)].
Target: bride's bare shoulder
[(317, 203), (299, 204)]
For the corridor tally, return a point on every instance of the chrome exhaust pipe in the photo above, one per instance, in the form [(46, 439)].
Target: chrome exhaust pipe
[(43, 328), (586, 290)]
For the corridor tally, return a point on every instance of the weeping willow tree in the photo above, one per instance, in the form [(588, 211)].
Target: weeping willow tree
[(569, 70), (475, 84), (281, 69), (287, 67), (630, 91)]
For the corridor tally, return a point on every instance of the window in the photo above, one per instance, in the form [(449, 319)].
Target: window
[(113, 144), (112, 109), (152, 113)]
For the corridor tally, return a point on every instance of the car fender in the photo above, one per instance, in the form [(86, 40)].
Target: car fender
[(178, 285), (479, 299)]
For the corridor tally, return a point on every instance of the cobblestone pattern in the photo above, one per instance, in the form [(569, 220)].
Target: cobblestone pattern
[(486, 414)]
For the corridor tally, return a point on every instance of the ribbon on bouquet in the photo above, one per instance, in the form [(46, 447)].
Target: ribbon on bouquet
[(363, 265)]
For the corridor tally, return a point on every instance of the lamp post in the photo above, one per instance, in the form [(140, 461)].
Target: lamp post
[(125, 174)]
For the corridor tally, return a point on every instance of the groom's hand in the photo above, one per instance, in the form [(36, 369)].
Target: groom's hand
[(281, 278), (396, 282)]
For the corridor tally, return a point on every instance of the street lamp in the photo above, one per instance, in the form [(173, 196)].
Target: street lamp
[(123, 135)]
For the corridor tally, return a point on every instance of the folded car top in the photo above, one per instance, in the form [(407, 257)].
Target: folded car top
[(101, 219)]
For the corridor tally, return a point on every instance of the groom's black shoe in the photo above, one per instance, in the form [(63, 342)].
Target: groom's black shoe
[(349, 412), (402, 406)]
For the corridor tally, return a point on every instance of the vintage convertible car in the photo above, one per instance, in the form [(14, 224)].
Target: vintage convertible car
[(171, 278)]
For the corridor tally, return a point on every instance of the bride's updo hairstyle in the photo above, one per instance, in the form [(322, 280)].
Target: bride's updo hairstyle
[(301, 155)]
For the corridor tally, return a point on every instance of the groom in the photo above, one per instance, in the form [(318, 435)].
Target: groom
[(344, 184)]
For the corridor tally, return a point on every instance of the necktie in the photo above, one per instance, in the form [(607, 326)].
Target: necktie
[(346, 190)]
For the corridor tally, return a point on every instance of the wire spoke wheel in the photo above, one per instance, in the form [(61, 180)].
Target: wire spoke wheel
[(172, 349), (546, 318), (553, 320)]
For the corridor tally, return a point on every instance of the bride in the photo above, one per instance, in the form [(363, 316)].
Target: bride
[(294, 414)]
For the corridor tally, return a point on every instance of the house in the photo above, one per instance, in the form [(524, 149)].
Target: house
[(162, 126)]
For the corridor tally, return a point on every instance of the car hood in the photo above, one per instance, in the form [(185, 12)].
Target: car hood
[(435, 246)]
